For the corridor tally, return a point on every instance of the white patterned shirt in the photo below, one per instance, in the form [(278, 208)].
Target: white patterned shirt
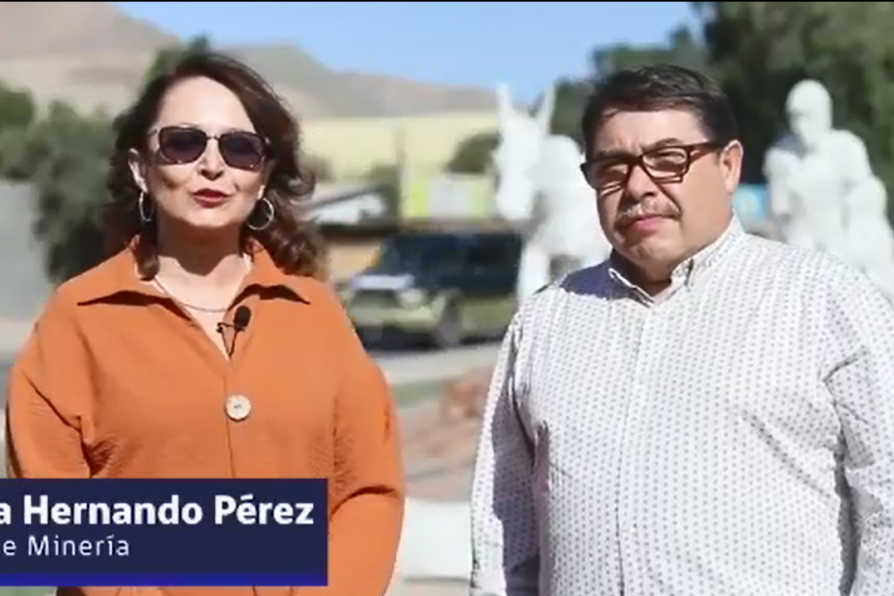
[(733, 438)]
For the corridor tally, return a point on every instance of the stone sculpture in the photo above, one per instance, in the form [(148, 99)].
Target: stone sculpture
[(822, 189), (868, 239), (541, 190)]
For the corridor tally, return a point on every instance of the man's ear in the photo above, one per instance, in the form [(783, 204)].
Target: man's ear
[(731, 164), (138, 170)]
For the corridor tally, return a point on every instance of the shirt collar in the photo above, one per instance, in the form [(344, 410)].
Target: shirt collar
[(118, 277), (690, 270)]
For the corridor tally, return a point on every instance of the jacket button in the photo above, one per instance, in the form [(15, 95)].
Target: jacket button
[(238, 407)]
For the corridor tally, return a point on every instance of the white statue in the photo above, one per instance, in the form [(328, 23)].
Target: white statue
[(868, 236), (541, 189), (817, 175)]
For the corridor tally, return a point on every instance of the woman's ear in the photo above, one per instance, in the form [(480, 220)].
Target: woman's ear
[(265, 174), (138, 170)]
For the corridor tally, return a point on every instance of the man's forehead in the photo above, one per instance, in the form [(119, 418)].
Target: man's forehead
[(640, 130)]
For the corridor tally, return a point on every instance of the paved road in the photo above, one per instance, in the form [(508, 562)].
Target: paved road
[(12, 336), (428, 588), (4, 370), (422, 366)]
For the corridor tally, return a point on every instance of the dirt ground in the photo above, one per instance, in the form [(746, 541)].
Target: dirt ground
[(439, 451)]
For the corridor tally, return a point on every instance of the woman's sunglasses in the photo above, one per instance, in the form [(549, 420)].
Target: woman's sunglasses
[(184, 144)]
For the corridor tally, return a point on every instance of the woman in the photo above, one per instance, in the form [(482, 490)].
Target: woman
[(204, 346)]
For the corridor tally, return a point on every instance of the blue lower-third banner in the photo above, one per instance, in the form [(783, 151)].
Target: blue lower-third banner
[(137, 532)]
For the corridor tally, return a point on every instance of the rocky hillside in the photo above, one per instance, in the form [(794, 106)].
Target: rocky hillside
[(92, 55)]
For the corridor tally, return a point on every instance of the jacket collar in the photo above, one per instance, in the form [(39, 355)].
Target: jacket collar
[(689, 271), (118, 278)]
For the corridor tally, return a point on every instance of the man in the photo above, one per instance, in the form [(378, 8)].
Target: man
[(707, 412)]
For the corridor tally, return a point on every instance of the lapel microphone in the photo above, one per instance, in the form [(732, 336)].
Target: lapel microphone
[(241, 318)]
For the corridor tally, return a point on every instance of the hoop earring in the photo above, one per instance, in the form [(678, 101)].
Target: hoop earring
[(145, 213), (267, 222)]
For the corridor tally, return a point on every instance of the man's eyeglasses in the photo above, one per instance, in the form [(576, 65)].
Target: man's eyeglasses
[(667, 163), (239, 149)]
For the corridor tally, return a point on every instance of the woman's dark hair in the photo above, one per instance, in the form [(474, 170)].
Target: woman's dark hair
[(292, 243), (660, 87)]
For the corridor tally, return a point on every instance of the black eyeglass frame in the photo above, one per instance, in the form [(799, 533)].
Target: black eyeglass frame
[(262, 143), (631, 161)]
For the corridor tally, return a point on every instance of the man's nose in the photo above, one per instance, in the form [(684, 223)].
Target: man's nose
[(639, 183)]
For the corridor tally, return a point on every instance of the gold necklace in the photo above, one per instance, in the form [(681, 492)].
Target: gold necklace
[(207, 309), (186, 304)]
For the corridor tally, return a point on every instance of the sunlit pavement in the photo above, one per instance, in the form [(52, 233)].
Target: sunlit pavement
[(428, 588), (434, 365)]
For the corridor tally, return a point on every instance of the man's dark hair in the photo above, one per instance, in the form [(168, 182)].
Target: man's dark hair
[(660, 87)]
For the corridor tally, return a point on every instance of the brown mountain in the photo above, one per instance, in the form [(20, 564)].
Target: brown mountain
[(93, 55)]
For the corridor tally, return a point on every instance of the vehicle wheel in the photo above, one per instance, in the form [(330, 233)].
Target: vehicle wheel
[(448, 332)]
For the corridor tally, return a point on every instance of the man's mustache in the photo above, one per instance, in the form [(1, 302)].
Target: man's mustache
[(647, 208)]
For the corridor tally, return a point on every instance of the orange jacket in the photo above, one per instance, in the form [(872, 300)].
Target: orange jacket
[(116, 381)]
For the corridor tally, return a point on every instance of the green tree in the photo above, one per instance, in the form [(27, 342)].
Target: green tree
[(165, 59), (386, 179), (17, 112), (681, 48), (757, 61), (572, 94), (64, 156), (16, 108), (571, 100), (472, 155), (321, 168), (759, 50)]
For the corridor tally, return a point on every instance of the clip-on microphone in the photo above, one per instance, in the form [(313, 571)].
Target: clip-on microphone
[(241, 318)]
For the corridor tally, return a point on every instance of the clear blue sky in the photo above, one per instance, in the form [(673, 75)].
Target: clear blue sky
[(527, 44)]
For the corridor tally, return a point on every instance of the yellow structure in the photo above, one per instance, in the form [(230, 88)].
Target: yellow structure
[(428, 193), (353, 146)]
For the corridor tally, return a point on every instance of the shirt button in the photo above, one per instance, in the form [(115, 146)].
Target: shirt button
[(238, 407)]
